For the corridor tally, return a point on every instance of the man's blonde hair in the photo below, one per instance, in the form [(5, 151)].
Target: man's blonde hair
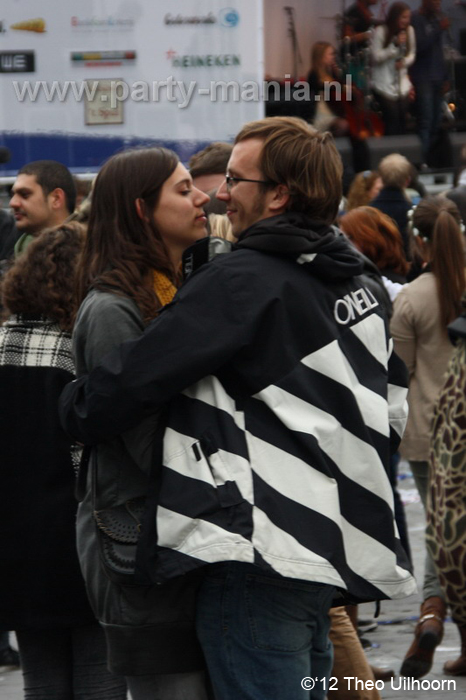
[(395, 170), (305, 160)]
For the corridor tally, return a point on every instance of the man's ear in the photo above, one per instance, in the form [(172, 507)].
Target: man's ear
[(57, 199), (280, 198)]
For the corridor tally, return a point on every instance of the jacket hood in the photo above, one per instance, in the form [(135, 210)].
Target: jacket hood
[(320, 248)]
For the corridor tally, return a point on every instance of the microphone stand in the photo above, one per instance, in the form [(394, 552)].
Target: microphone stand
[(403, 49), (294, 40)]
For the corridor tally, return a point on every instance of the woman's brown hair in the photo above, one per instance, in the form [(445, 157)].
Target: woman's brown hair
[(376, 235), (42, 280), (437, 222), (391, 23), (122, 248), (359, 193), (317, 55)]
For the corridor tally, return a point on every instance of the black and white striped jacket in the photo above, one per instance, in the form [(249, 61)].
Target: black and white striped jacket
[(284, 394)]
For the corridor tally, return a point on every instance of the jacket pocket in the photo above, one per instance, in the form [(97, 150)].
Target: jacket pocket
[(227, 490), (117, 530)]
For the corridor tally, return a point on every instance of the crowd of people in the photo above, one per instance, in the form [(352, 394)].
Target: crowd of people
[(206, 373)]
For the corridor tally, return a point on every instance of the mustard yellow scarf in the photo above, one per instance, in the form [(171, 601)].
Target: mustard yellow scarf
[(163, 287)]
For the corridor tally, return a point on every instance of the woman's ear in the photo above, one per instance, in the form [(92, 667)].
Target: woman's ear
[(140, 209)]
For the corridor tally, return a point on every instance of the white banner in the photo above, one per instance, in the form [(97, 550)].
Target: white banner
[(76, 75)]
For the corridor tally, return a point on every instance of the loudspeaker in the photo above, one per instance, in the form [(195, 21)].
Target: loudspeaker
[(408, 145), (458, 142), (344, 149), (460, 74), (445, 153), (463, 42)]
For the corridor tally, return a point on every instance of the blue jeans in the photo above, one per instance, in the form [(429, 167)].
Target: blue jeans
[(429, 95), (262, 634), (431, 586)]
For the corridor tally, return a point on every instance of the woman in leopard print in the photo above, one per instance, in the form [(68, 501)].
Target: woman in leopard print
[(446, 524)]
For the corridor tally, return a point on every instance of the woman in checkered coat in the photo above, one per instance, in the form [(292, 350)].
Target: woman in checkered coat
[(42, 593)]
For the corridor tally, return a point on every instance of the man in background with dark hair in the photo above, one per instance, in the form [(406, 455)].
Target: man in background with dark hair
[(207, 169), (43, 195), (429, 73), (357, 24)]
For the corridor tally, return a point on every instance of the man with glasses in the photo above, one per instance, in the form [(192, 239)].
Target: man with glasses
[(282, 394)]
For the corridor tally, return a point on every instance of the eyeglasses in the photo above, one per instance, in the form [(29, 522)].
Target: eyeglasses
[(230, 181)]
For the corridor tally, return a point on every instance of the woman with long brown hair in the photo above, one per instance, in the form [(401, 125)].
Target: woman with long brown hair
[(393, 50), (42, 593), (145, 211), (324, 80), (422, 311), (328, 95)]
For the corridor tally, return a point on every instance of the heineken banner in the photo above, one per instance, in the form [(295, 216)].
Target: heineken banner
[(81, 80)]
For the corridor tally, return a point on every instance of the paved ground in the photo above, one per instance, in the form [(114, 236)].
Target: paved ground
[(392, 637)]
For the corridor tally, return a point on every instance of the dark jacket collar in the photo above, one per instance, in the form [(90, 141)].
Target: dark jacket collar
[(319, 247), (390, 194)]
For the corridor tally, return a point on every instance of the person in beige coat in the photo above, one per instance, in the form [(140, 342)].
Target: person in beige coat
[(421, 314)]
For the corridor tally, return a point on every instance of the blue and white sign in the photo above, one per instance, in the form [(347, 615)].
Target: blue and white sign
[(229, 17)]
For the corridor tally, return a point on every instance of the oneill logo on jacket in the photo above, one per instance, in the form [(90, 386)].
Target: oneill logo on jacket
[(359, 302)]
